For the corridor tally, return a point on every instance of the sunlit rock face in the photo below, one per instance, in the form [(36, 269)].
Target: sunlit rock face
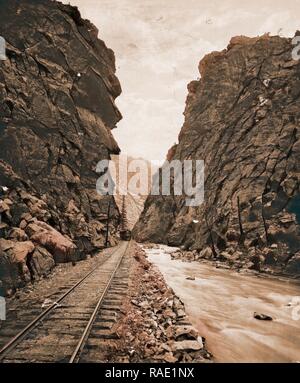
[(242, 119), (57, 109)]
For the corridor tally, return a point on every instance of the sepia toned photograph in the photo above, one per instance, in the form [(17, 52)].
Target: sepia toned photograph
[(149, 185)]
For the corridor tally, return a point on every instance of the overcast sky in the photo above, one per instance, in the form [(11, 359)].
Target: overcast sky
[(158, 45)]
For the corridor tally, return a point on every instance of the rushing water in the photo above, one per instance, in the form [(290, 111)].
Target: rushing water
[(220, 304)]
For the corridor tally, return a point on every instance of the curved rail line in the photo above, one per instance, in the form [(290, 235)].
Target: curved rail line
[(17, 339)]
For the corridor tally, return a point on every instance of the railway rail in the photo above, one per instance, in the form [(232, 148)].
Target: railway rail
[(77, 327)]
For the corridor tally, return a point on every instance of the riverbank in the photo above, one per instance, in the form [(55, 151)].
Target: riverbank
[(221, 304), (155, 327)]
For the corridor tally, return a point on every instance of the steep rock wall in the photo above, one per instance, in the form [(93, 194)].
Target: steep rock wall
[(57, 109), (242, 118)]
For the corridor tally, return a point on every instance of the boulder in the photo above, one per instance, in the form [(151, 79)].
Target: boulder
[(14, 271), (186, 345), (17, 251), (206, 253), (61, 247), (41, 262), (22, 262), (185, 332), (17, 234)]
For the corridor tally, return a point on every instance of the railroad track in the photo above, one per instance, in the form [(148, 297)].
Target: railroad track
[(78, 326)]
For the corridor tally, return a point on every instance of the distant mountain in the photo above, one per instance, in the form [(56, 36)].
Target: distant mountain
[(134, 202)]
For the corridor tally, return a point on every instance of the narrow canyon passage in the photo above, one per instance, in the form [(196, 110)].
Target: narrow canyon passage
[(221, 303), (127, 125)]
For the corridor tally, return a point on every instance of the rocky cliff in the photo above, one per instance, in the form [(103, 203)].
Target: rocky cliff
[(242, 118), (57, 109)]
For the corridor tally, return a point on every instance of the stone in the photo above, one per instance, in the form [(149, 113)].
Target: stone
[(27, 217), (14, 272), (225, 255), (17, 234), (206, 253), (135, 302), (3, 226), (168, 313), (185, 332), (4, 207), (186, 345), (249, 265), (190, 278), (23, 224), (169, 358), (6, 245), (262, 317), (61, 247), (293, 265), (41, 262), (20, 251), (180, 313), (144, 304), (33, 228), (200, 341)]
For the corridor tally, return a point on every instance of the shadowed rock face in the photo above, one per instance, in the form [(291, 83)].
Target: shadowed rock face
[(242, 119), (57, 92)]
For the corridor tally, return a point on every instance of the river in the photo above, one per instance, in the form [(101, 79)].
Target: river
[(220, 304)]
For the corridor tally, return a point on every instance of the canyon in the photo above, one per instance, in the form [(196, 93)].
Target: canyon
[(58, 234)]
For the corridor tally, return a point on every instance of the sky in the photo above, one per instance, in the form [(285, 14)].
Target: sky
[(158, 45)]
